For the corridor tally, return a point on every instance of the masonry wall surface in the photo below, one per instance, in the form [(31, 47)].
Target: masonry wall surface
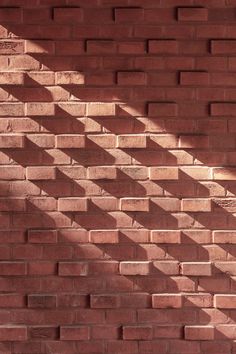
[(117, 176)]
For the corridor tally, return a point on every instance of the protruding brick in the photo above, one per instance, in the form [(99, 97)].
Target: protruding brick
[(162, 109), (12, 268), (169, 46), (134, 204), (196, 268), (72, 269), (102, 172), (40, 109), (132, 141), (223, 109), (39, 47), (166, 300), (219, 46), (11, 78), (41, 173), (225, 301), (199, 332), (74, 333), (72, 204), (12, 141), (68, 78), (225, 236), (196, 205), (135, 268), (166, 236), (42, 301), (194, 78), (70, 141), (13, 333), (104, 236), (100, 46), (222, 173), (192, 14)]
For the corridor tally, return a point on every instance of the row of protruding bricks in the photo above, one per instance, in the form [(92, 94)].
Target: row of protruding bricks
[(106, 47), (124, 78), (112, 173), (75, 109), (82, 204), (140, 300), (72, 15), (126, 268), (109, 141), (75, 236), (125, 332)]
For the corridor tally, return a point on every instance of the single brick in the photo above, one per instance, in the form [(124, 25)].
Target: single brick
[(163, 46), (221, 173), (39, 47), (12, 141), (72, 269), (166, 300), (223, 46), (134, 204), (100, 46), (137, 332), (129, 78), (102, 172), (42, 236), (12, 268), (74, 333), (224, 236), (192, 14), (197, 78), (135, 268), (164, 173), (40, 109), (68, 78), (72, 204), (129, 15), (42, 301), (196, 268), (162, 109), (41, 173), (67, 14), (101, 109), (104, 236), (166, 236), (132, 141), (223, 109), (225, 301), (196, 205), (70, 141), (13, 333), (199, 332), (104, 301)]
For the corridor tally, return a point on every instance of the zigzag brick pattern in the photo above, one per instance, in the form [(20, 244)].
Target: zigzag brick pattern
[(117, 176)]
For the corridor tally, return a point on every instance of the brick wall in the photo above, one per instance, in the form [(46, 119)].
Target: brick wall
[(117, 176)]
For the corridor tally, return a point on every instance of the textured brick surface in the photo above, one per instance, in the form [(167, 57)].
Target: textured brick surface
[(117, 176)]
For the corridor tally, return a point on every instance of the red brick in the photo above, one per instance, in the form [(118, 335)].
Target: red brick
[(131, 78), (129, 15), (135, 268), (70, 141), (42, 236), (166, 236), (67, 14), (223, 109), (166, 300), (104, 301), (40, 109), (41, 173), (104, 236), (12, 268), (164, 173), (134, 204), (42, 301), (101, 47), (69, 78), (196, 205), (13, 333), (192, 14), (72, 269), (10, 15), (11, 78), (102, 172), (169, 46), (197, 78), (72, 204), (74, 333), (196, 269), (199, 332), (132, 141), (224, 301), (10, 141), (137, 332), (165, 109), (223, 46), (39, 47)]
